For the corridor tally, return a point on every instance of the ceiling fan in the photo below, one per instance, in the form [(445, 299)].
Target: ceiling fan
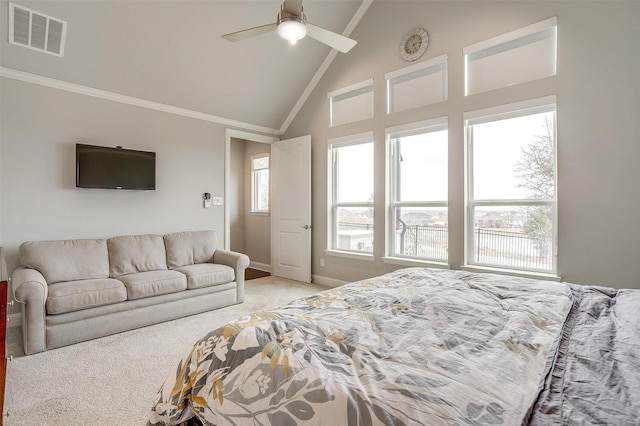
[(292, 25)]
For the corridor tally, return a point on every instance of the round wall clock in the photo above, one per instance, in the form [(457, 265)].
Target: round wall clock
[(414, 44)]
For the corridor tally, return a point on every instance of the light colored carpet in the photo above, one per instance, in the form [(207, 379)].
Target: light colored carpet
[(114, 380)]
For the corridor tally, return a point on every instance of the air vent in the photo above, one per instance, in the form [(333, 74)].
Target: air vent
[(35, 30)]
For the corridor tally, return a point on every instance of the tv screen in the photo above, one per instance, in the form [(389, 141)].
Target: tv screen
[(114, 168)]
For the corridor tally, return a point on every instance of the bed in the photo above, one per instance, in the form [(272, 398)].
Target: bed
[(419, 346)]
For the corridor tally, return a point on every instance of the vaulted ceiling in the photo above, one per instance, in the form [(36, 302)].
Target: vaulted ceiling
[(171, 52)]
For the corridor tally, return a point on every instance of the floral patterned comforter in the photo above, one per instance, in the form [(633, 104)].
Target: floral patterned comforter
[(412, 347)]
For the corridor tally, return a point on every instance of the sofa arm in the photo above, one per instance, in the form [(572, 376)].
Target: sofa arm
[(30, 289), (239, 262)]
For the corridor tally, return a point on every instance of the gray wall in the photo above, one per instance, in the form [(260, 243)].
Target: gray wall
[(249, 233), (39, 128), (257, 227), (598, 98), (598, 140), (235, 196)]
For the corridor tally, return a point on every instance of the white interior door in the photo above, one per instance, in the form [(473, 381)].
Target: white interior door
[(291, 209)]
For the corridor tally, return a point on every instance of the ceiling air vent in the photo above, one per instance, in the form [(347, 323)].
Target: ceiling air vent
[(28, 28)]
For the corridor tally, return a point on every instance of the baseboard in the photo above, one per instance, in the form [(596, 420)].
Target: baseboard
[(260, 266), (329, 282)]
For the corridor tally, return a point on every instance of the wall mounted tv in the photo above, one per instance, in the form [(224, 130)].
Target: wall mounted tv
[(114, 168)]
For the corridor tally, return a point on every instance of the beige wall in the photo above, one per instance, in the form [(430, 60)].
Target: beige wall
[(39, 128), (598, 132), (236, 195), (249, 233), (257, 227), (598, 110)]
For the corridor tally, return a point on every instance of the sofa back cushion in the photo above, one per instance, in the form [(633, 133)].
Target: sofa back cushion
[(189, 248), (129, 254), (66, 260)]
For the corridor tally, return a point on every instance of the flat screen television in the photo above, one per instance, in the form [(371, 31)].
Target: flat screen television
[(114, 168)]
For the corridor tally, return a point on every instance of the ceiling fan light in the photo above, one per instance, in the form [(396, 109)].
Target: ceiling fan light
[(292, 30)]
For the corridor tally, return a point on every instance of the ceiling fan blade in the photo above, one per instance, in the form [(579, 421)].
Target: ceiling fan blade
[(293, 6), (331, 39), (251, 32)]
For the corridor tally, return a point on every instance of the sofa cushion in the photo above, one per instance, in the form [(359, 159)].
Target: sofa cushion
[(136, 253), (66, 260), (152, 283), (207, 274), (188, 248), (72, 296)]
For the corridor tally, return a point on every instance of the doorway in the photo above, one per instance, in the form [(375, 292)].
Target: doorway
[(246, 232), (278, 242)]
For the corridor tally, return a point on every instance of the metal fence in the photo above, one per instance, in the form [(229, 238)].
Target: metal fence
[(428, 242), (512, 249), (354, 226), (492, 247)]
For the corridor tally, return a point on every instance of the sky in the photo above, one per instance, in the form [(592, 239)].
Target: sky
[(497, 147)]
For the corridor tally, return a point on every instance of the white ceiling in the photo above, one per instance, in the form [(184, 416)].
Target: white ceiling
[(171, 52)]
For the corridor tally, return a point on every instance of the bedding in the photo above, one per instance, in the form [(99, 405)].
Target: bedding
[(593, 373), (412, 347)]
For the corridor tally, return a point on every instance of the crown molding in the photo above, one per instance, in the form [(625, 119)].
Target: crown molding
[(129, 100)]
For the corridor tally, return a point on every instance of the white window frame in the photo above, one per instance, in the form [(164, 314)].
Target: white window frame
[(364, 88), (413, 72), (332, 191), (508, 42), (392, 187), (255, 209), (519, 109)]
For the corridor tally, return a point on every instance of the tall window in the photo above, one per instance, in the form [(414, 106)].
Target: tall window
[(260, 183), (418, 191), (351, 193), (511, 189)]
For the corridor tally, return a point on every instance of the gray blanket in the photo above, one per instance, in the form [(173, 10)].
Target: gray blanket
[(413, 347), (419, 347), (593, 373)]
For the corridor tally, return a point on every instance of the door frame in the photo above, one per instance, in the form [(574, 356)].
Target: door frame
[(228, 135)]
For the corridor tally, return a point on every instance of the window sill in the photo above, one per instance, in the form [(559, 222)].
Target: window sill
[(350, 255), (259, 213), (415, 262), (524, 274)]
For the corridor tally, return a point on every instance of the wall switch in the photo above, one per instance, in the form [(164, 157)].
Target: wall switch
[(217, 201), (321, 262)]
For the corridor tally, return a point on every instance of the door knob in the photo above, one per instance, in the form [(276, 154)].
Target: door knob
[(306, 227)]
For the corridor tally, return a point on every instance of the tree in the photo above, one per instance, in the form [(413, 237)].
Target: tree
[(535, 169)]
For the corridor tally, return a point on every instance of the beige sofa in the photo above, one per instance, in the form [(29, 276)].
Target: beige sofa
[(76, 290)]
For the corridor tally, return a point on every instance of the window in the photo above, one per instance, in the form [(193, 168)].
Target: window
[(418, 191), (352, 103), (351, 194), (519, 56), (421, 84), (511, 189), (260, 183)]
